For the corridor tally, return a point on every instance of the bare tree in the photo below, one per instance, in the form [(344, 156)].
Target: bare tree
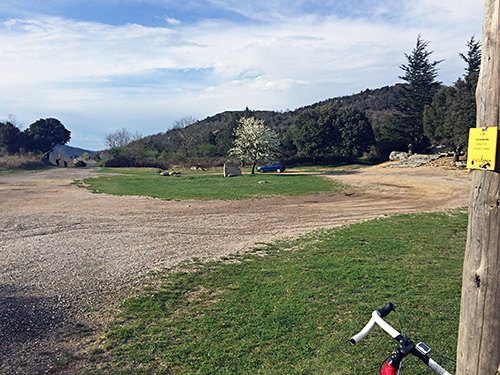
[(121, 138), (183, 122)]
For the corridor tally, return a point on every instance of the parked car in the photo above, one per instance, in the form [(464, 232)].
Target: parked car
[(272, 167)]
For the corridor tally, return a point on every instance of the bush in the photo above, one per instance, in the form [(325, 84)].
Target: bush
[(121, 161), (207, 150), (80, 164), (22, 161)]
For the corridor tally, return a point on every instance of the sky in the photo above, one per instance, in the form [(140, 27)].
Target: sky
[(102, 65)]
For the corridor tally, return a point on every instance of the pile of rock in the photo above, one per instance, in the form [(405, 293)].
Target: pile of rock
[(171, 173), (413, 161), (197, 168)]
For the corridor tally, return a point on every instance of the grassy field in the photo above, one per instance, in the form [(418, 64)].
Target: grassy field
[(293, 310), (210, 185)]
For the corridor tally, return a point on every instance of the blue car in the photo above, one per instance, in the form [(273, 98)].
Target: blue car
[(272, 167)]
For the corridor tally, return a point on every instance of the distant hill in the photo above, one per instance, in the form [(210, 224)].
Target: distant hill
[(71, 152), (217, 130)]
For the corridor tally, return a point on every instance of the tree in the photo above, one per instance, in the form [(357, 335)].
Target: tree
[(420, 73), (355, 131), (120, 138), (254, 142), (316, 134), (473, 57), (183, 122), (44, 134), (453, 110), (329, 131), (11, 138)]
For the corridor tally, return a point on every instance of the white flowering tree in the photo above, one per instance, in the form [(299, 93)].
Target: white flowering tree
[(254, 142)]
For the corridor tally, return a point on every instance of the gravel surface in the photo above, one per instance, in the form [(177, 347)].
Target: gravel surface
[(67, 256)]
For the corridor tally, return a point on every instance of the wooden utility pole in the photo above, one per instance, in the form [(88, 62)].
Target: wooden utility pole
[(478, 351)]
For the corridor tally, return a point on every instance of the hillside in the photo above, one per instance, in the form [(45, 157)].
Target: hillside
[(377, 103), (71, 152), (212, 136)]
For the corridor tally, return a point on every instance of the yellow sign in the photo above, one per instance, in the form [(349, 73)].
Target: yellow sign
[(482, 150)]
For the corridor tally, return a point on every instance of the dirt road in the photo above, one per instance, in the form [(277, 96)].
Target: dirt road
[(66, 255)]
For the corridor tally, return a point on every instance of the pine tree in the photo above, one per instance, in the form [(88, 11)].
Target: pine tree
[(453, 110), (473, 58), (407, 125)]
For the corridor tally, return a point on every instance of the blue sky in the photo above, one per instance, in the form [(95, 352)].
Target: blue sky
[(100, 65)]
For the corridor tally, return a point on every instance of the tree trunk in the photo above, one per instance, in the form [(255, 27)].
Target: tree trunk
[(478, 351), (253, 167)]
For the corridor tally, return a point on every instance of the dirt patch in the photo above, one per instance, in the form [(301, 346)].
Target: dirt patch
[(67, 255)]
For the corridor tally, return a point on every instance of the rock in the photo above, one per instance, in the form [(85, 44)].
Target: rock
[(415, 161), (197, 168), (398, 155), (171, 173), (231, 170)]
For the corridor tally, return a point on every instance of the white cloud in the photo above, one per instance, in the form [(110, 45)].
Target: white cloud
[(112, 76), (172, 21)]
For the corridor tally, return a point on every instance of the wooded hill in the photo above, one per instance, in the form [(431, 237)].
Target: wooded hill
[(207, 141)]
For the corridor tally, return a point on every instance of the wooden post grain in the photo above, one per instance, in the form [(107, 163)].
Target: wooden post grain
[(478, 351)]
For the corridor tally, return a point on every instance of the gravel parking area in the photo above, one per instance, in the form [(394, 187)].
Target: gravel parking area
[(67, 256)]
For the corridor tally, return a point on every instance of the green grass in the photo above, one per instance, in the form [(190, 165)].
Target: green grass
[(207, 185), (293, 310)]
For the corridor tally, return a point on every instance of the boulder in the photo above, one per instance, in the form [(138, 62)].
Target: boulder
[(231, 170), (197, 168), (398, 155), (171, 173)]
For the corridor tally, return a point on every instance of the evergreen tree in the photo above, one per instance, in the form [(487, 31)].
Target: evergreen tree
[(11, 138), (473, 58), (453, 110), (315, 133), (44, 134), (329, 131), (407, 125), (356, 133)]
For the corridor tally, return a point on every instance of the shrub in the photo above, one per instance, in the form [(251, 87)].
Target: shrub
[(80, 164), (120, 161), (22, 161)]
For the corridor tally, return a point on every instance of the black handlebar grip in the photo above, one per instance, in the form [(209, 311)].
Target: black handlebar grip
[(384, 311)]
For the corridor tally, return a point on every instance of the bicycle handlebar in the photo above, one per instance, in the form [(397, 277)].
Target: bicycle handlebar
[(384, 311), (377, 318)]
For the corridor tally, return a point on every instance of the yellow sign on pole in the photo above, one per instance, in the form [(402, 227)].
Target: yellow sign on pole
[(482, 150)]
